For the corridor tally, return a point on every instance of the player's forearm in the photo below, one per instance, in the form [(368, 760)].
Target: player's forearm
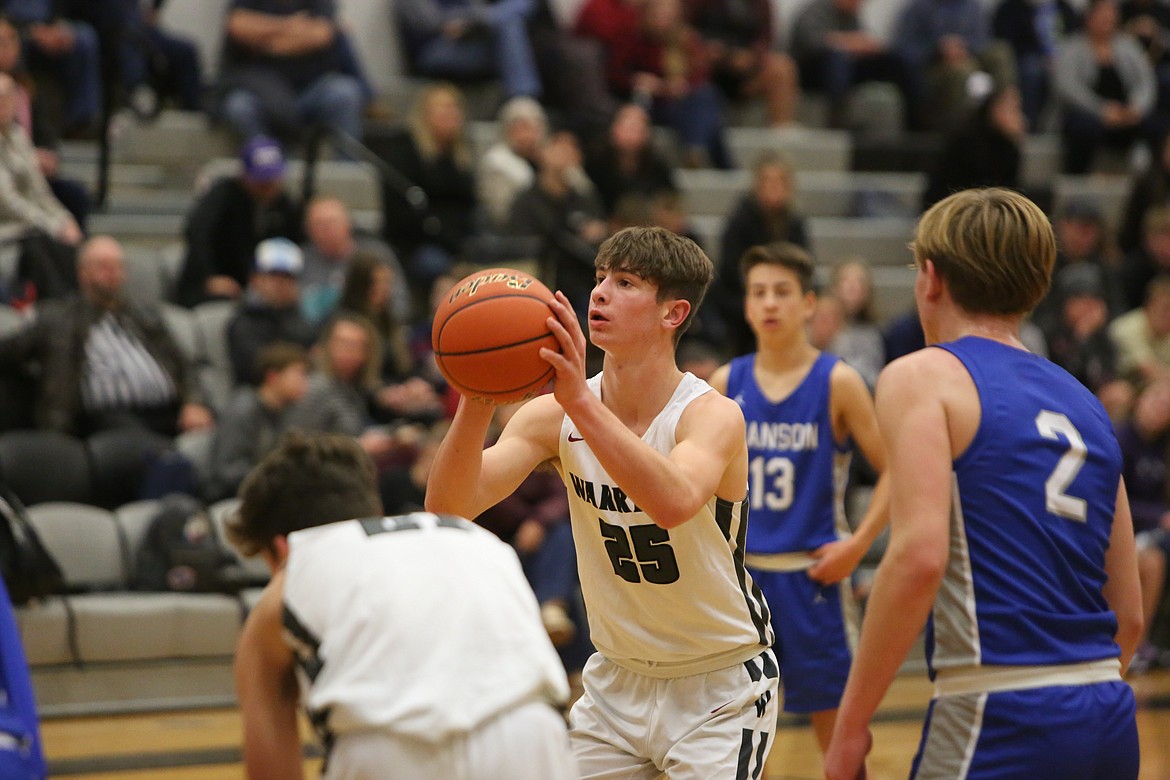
[(646, 476), (902, 597), (455, 473)]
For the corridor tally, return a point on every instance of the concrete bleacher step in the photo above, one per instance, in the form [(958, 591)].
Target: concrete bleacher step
[(881, 241), (816, 193), (148, 200), (806, 149), (145, 229), (174, 138)]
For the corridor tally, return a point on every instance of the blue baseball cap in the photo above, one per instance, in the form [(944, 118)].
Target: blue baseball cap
[(263, 159)]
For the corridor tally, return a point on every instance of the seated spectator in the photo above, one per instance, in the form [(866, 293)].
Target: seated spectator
[(763, 215), (1148, 21), (432, 153), (48, 233), (1147, 189), (331, 243), (106, 361), (1148, 260), (1106, 89), (1142, 336), (660, 62), (155, 63), (228, 220), (834, 53), (1144, 438), (1078, 341), (270, 310), (739, 37), (941, 44), (625, 160), (460, 40), (66, 51), (859, 340), (256, 417), (508, 167), (282, 68), (345, 376), (985, 151), (1083, 239), (405, 393), (1034, 29), (568, 219), (32, 116)]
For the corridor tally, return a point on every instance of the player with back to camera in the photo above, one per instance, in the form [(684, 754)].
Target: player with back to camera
[(415, 639), (655, 465), (804, 409), (1009, 520)]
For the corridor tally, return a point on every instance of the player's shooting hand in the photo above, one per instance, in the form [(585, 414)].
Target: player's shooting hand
[(569, 364), (835, 561), (845, 758)]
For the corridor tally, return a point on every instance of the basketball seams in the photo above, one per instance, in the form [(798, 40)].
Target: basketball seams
[(438, 340), (463, 332)]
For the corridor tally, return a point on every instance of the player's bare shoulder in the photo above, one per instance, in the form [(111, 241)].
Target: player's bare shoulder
[(712, 414)]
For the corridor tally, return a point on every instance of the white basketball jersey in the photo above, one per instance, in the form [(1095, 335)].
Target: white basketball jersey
[(419, 624), (666, 603)]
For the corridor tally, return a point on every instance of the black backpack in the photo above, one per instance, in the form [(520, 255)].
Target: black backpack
[(181, 552), (29, 570)]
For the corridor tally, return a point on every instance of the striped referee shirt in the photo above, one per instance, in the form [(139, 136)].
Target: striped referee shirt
[(120, 373)]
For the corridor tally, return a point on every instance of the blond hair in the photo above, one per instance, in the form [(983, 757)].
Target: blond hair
[(994, 247), (673, 262), (428, 147)]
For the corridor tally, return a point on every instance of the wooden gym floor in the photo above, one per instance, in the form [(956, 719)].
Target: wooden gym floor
[(205, 744)]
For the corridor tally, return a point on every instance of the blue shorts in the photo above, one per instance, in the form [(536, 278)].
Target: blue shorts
[(1072, 732), (816, 632)]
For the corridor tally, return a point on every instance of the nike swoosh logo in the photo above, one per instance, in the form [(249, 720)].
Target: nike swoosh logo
[(721, 706), (573, 438)]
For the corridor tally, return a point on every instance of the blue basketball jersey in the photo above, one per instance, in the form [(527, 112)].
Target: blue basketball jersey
[(1034, 496), (797, 473)]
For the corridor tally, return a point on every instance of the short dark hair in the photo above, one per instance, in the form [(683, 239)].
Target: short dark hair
[(279, 355), (309, 479), (676, 264), (781, 253)]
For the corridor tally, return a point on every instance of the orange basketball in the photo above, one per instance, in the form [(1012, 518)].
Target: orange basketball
[(488, 332)]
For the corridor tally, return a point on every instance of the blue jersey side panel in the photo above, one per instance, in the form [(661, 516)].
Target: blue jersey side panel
[(1036, 493), (795, 471)]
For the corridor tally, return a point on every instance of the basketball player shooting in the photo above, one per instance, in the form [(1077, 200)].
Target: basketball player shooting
[(655, 465)]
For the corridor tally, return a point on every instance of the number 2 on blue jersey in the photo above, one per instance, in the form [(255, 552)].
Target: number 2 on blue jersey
[(1054, 425)]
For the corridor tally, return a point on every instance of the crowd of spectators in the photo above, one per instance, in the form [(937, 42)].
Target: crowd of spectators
[(329, 324)]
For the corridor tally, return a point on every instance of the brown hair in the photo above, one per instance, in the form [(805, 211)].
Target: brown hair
[(372, 369), (355, 297), (673, 262), (781, 253), (310, 479), (278, 356), (994, 247)]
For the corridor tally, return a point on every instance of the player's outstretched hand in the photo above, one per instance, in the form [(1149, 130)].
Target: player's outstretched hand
[(569, 363)]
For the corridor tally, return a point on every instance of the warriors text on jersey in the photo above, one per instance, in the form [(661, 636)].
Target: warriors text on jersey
[(665, 603), (355, 593)]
